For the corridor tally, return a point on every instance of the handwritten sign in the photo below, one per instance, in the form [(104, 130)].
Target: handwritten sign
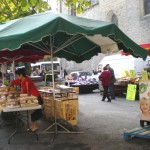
[(132, 73), (131, 92), (144, 75), (124, 73)]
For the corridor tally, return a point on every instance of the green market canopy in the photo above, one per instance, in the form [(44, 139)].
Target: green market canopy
[(64, 36)]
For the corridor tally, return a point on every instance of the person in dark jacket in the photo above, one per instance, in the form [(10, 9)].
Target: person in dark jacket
[(112, 81), (105, 77)]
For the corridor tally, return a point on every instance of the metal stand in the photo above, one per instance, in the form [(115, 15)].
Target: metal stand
[(18, 119), (55, 124), (4, 120)]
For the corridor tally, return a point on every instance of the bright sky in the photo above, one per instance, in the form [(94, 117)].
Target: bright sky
[(53, 4)]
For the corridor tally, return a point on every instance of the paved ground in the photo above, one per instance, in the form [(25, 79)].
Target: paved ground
[(103, 125)]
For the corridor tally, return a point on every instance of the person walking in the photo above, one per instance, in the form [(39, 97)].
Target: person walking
[(112, 81), (105, 77)]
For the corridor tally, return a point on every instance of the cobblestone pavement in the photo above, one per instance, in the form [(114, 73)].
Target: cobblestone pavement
[(102, 124)]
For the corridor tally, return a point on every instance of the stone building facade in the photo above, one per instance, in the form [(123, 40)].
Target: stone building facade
[(131, 16)]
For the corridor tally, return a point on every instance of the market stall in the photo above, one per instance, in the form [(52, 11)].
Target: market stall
[(66, 104), (73, 39), (144, 110), (86, 88), (15, 102), (122, 82)]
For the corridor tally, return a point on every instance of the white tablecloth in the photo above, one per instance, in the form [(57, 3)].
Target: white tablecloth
[(21, 108)]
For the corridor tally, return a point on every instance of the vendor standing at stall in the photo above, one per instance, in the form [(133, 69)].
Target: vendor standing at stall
[(28, 87)]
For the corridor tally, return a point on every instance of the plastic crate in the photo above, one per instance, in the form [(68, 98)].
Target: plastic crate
[(76, 89), (48, 107), (67, 110), (73, 95)]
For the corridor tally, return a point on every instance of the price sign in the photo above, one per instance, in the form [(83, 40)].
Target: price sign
[(131, 92), (144, 75), (132, 73)]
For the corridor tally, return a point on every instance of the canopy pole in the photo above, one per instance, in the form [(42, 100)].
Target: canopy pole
[(53, 80), (13, 68), (55, 124)]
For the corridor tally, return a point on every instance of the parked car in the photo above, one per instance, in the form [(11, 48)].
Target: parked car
[(95, 76), (79, 74)]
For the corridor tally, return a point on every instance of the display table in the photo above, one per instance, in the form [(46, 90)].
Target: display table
[(20, 117), (86, 88), (119, 89)]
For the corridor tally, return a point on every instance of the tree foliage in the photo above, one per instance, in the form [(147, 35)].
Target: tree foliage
[(13, 9), (78, 5)]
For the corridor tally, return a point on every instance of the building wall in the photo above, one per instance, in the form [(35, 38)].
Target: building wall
[(131, 19)]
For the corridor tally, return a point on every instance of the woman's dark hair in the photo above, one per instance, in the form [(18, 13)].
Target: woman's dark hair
[(105, 68), (21, 72)]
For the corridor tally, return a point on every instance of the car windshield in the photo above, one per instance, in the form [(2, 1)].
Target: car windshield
[(85, 74)]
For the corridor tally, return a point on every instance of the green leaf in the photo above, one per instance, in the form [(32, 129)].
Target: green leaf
[(33, 2), (23, 3), (87, 4), (74, 2), (79, 9)]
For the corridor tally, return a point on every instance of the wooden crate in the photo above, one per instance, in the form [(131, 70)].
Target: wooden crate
[(67, 110)]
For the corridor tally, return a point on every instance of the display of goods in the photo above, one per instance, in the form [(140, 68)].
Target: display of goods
[(66, 89), (26, 101), (3, 97), (23, 95), (3, 93), (19, 100), (3, 89), (11, 96), (11, 103), (2, 103), (12, 89)]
